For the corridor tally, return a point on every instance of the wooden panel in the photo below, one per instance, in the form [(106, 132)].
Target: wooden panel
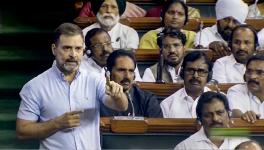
[(152, 55), (165, 125), (167, 89), (150, 23)]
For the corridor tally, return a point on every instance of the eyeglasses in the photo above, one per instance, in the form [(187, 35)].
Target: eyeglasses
[(200, 72), (101, 46)]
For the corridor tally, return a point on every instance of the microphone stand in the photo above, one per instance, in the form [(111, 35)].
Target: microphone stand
[(160, 67)]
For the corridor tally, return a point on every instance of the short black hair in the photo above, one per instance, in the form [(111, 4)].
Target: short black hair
[(91, 33), (193, 56), (171, 32), (69, 29), (168, 4), (111, 60), (254, 58), (245, 26), (207, 97)]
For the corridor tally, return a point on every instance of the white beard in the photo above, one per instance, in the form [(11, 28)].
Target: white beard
[(108, 22)]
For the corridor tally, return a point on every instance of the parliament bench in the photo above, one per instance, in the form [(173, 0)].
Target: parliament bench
[(161, 133), (144, 24), (164, 90)]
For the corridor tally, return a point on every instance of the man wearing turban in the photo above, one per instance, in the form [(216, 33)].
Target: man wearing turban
[(108, 13), (229, 14)]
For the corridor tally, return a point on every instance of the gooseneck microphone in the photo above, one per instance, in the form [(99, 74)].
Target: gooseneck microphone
[(131, 102)]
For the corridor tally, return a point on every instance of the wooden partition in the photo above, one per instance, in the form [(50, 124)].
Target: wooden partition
[(154, 133), (152, 55), (169, 125), (167, 89), (150, 23)]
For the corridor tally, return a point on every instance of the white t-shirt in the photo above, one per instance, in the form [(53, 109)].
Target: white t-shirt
[(121, 35), (180, 105), (241, 98), (199, 141), (228, 70), (209, 34)]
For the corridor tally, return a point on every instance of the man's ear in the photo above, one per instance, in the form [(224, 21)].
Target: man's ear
[(53, 48)]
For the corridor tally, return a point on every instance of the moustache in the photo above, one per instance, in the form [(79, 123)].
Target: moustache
[(241, 51), (195, 80), (216, 124), (108, 15), (125, 80), (253, 81), (72, 60)]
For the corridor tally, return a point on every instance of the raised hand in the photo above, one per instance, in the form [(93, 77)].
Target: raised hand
[(113, 89)]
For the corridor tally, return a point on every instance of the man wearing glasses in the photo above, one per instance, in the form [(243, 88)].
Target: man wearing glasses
[(196, 72), (171, 41), (98, 48), (246, 100)]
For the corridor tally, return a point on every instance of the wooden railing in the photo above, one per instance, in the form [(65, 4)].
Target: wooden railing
[(162, 125), (167, 89), (150, 23), (143, 55)]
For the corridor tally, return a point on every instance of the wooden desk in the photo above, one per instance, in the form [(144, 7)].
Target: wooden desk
[(169, 125), (167, 89), (151, 23), (160, 133)]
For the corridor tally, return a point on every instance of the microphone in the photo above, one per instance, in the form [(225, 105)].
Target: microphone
[(119, 40), (256, 9), (131, 102), (160, 67), (201, 28)]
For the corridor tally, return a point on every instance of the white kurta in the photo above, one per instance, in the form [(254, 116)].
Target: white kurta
[(209, 34), (121, 35), (241, 98), (228, 70), (199, 141), (180, 105), (261, 38), (90, 66)]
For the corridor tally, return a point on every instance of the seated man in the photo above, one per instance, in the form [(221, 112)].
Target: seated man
[(175, 15), (108, 13), (196, 72), (98, 48), (243, 43), (193, 13), (172, 42), (212, 112), (121, 65), (249, 145), (246, 100), (229, 14)]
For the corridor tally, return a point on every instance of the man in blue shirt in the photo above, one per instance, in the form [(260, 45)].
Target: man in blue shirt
[(61, 106)]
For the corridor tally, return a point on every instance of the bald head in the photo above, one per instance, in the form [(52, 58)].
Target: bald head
[(249, 145)]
